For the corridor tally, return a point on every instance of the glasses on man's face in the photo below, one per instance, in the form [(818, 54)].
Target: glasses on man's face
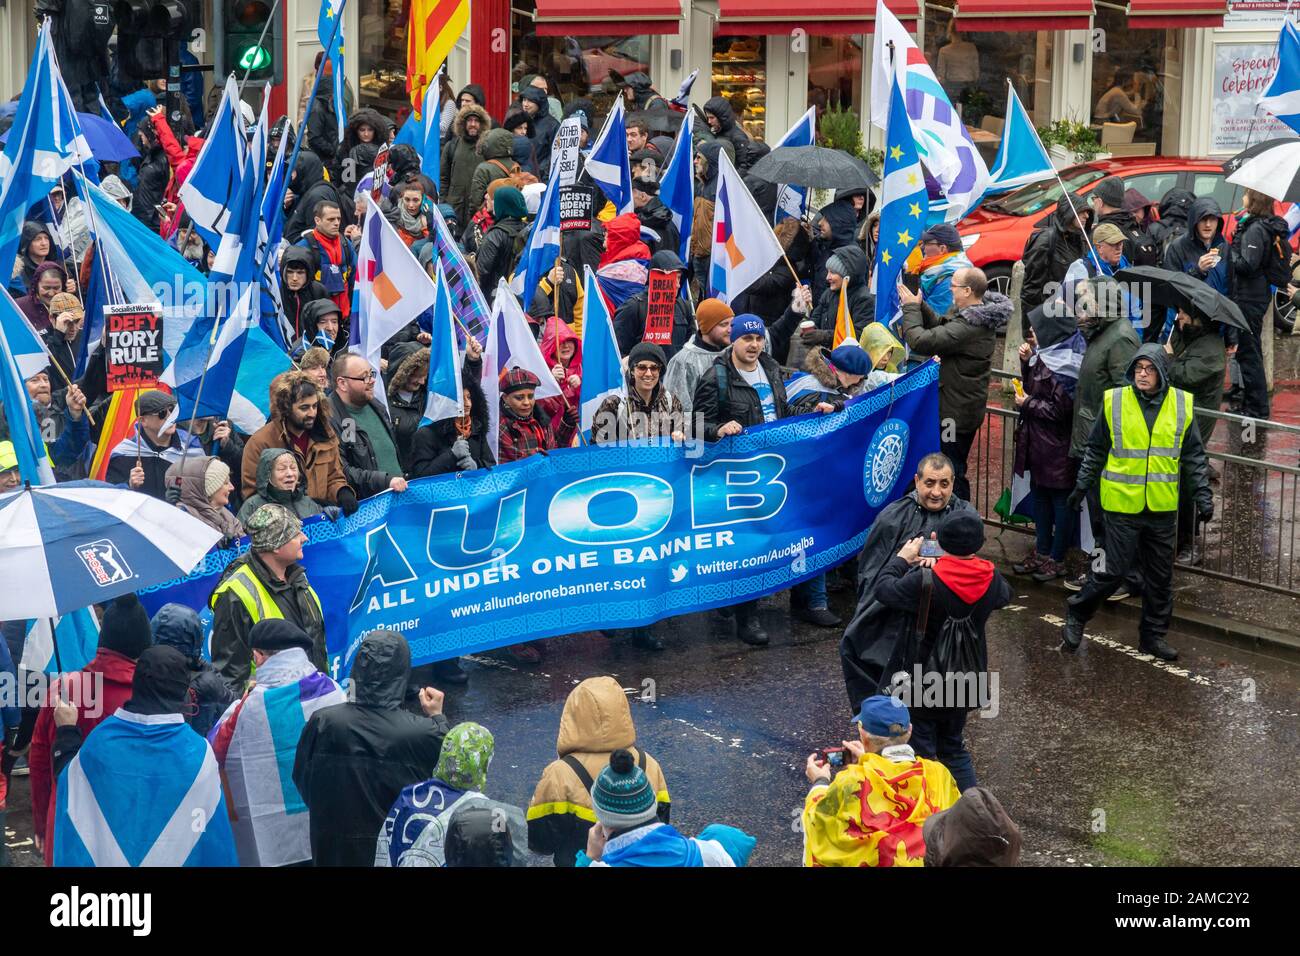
[(367, 378), (645, 368), (1145, 369)]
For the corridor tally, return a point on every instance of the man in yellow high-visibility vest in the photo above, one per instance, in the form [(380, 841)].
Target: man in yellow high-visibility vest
[(266, 582), (1143, 451)]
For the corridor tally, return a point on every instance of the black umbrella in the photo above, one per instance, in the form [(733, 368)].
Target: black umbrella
[(816, 167), (661, 120), (1177, 290), (1271, 168)]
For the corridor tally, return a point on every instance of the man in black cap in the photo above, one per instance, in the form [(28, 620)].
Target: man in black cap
[(942, 256), (654, 216), (1107, 201), (140, 462), (954, 599)]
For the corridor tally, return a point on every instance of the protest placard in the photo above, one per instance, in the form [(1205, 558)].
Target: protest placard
[(134, 348), (661, 296)]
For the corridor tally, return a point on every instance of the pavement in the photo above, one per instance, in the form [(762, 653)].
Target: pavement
[(1105, 758)]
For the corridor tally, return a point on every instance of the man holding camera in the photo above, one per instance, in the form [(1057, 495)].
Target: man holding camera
[(871, 811)]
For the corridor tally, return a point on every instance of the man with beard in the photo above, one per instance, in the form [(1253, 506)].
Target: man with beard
[(298, 424), (875, 644)]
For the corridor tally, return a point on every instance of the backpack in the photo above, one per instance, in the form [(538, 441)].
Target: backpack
[(1277, 263), (1144, 251), (515, 173), (959, 648)]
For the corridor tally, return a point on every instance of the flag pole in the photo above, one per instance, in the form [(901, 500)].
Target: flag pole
[(55, 362), (1286, 16), (306, 113), (269, 20)]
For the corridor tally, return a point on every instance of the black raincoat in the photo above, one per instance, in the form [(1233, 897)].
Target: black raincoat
[(354, 759)]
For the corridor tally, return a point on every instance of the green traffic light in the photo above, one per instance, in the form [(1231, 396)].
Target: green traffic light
[(255, 58)]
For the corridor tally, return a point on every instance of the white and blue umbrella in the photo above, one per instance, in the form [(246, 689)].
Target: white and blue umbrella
[(71, 545)]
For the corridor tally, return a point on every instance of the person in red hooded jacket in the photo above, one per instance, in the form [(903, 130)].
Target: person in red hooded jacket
[(181, 162), (97, 690), (562, 349), (624, 267)]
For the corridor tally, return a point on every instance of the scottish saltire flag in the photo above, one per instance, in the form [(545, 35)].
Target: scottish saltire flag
[(45, 141), (1292, 217), (392, 288), (425, 134), (213, 183), (1021, 157), (543, 245), (607, 162), (255, 743), (133, 794), (904, 206), (1282, 98), (22, 355), (602, 367), (744, 246), (510, 344), (468, 302), (677, 187), (792, 201), (844, 331), (269, 239), (329, 28), (77, 633), (138, 264), (444, 395), (942, 142)]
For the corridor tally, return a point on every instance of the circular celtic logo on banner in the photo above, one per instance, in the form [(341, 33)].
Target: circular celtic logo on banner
[(885, 458)]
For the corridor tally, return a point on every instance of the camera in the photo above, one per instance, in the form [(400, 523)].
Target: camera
[(835, 758)]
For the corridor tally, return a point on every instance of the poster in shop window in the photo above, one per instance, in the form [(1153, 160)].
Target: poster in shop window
[(660, 299), (1257, 15), (134, 349), (1242, 72)]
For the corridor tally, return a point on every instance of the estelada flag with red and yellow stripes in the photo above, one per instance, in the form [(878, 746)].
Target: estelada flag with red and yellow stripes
[(118, 425), (434, 28), (873, 813), (844, 331)]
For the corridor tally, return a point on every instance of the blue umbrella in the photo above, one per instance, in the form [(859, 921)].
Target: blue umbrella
[(67, 546), (106, 140)]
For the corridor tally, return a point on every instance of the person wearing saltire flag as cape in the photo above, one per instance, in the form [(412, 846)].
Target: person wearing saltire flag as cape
[(256, 742), (144, 789), (871, 812)]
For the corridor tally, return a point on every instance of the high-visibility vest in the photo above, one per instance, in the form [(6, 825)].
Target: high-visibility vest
[(253, 594), (1142, 467)]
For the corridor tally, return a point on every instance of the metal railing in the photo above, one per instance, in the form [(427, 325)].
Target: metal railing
[(1255, 534)]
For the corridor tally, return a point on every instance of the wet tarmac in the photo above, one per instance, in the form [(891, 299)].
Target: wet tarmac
[(1104, 758)]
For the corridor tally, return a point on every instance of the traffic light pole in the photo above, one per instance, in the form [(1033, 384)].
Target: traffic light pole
[(275, 9)]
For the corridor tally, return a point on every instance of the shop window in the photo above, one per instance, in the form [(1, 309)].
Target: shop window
[(740, 75), (1138, 79), (973, 66), (835, 73), (381, 53), (575, 67)]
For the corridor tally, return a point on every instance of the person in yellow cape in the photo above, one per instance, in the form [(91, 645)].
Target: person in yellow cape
[(871, 812), (886, 354)]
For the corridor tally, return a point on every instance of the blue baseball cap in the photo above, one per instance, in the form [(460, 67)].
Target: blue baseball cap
[(746, 324), (883, 716)]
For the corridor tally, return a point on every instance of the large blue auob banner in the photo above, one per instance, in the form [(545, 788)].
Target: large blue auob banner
[(607, 536)]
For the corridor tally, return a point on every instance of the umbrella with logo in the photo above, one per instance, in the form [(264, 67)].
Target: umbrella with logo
[(816, 167), (71, 545), (1271, 168), (1177, 290)]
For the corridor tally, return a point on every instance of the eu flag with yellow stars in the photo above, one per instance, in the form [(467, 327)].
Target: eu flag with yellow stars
[(904, 208)]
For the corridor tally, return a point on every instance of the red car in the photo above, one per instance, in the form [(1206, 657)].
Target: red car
[(996, 233)]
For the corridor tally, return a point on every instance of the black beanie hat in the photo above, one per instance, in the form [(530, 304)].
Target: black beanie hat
[(646, 352), (962, 533), (125, 627), (161, 684), (276, 634)]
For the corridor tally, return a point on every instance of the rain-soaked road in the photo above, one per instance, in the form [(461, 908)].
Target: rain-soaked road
[(1104, 758)]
